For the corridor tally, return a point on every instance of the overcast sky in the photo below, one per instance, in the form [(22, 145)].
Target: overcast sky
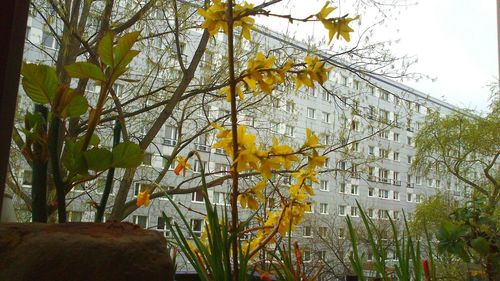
[(455, 42)]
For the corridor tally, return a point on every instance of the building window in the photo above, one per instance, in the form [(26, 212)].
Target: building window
[(371, 150), (395, 178), (371, 213), (289, 130), (396, 99), (341, 233), (438, 184), (418, 180), (307, 231), (384, 95), (327, 161), (395, 156), (307, 256), (147, 159), (383, 116), (326, 117), (383, 153), (48, 40), (290, 106), (162, 227), (343, 80), (327, 140), (382, 214), (311, 113), (354, 211), (395, 195), (198, 166), (326, 96), (355, 147), (430, 182), (410, 159), (141, 221), (309, 208), (197, 196), (138, 188), (383, 175), (323, 185), (341, 210), (342, 188), (409, 197), (382, 193), (356, 84), (371, 191), (395, 215), (354, 189), (221, 169), (221, 198), (355, 125), (322, 231), (409, 141), (27, 177), (196, 226), (275, 126), (74, 216), (322, 255), (371, 90), (323, 208)]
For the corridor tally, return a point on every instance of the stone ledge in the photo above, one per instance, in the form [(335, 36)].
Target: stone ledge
[(83, 251)]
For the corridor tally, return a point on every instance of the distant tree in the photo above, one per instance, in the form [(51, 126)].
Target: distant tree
[(467, 147)]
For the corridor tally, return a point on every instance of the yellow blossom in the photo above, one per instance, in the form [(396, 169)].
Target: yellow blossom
[(182, 166), (143, 199), (335, 26), (215, 18), (315, 160), (315, 71), (311, 139), (226, 91)]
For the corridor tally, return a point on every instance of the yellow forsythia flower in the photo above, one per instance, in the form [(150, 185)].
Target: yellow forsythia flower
[(182, 166), (143, 199), (335, 26)]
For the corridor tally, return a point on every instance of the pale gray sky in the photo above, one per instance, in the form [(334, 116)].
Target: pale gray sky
[(455, 42)]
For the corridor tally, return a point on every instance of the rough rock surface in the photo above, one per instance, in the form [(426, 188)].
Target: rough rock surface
[(82, 252)]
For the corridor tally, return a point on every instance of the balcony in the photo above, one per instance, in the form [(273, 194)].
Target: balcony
[(384, 180), (355, 175), (410, 185), (372, 178), (169, 142), (396, 182), (202, 147)]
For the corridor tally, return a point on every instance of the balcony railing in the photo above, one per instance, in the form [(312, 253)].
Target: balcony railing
[(169, 142), (410, 185), (384, 180)]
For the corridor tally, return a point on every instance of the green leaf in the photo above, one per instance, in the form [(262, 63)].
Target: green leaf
[(122, 51), (105, 49), (98, 159), (39, 82), (73, 158), (83, 69), (127, 155), (76, 107), (94, 140), (481, 245)]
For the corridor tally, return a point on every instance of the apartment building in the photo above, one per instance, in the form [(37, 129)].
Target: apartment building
[(368, 122)]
